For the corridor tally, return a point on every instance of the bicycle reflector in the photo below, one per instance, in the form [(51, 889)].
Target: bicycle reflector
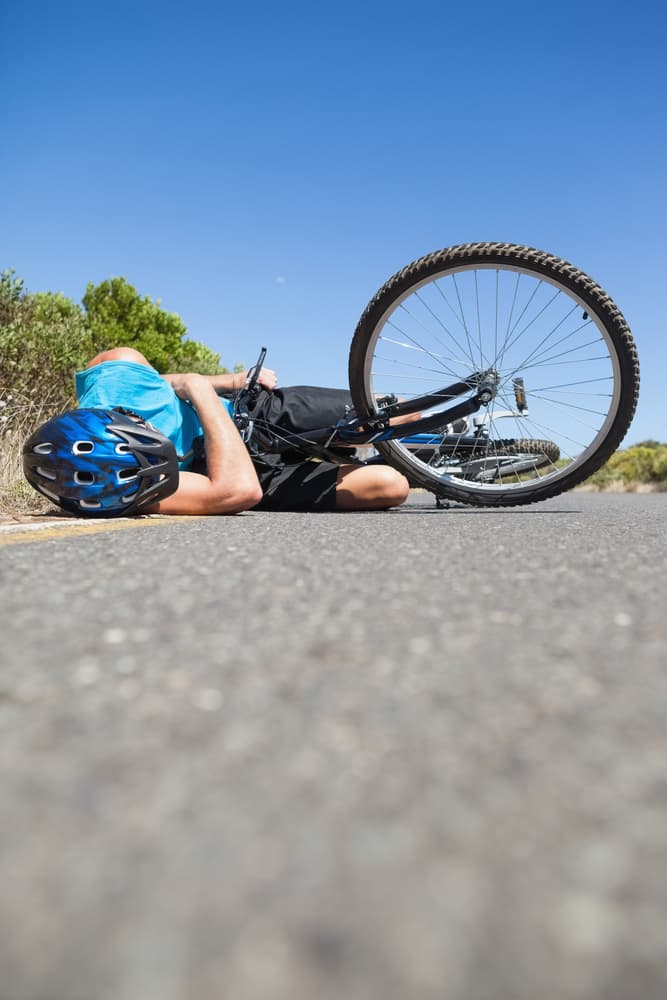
[(520, 395)]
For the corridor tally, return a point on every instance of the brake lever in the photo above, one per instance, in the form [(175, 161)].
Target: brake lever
[(250, 384)]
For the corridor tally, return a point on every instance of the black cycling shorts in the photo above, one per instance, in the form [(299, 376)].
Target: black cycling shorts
[(302, 407), (288, 481)]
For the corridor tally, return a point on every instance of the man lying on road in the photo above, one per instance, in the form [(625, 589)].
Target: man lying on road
[(132, 447)]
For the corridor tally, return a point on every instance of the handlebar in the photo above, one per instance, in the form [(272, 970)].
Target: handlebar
[(253, 373)]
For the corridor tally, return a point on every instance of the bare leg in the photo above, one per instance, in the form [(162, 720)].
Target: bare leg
[(371, 487), (406, 418)]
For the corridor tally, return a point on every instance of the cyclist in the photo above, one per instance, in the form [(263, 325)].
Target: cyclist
[(184, 409)]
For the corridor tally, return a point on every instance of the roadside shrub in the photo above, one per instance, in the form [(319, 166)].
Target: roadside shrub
[(644, 464), (118, 315)]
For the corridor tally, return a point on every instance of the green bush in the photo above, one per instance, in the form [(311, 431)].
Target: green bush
[(44, 338), (644, 463), (118, 315)]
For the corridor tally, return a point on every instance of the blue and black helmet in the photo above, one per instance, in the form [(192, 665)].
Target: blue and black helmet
[(100, 463)]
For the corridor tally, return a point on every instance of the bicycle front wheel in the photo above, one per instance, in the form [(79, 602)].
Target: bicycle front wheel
[(565, 361)]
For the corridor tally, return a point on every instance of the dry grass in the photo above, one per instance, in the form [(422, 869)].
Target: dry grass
[(620, 486), (19, 417)]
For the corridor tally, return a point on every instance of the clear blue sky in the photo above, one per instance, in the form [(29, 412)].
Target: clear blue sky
[(263, 168)]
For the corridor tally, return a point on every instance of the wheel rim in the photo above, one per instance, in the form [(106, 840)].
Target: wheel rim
[(520, 322)]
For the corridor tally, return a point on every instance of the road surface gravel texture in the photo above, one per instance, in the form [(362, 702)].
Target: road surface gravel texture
[(405, 755)]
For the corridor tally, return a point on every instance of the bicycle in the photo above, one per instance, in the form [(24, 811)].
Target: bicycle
[(521, 338)]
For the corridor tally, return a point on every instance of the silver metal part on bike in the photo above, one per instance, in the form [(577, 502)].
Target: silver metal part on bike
[(246, 430)]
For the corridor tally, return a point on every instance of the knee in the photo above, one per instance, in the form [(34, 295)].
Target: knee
[(373, 487), (119, 354), (391, 486)]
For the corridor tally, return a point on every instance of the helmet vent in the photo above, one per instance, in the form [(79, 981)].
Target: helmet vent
[(89, 504), (82, 447), (46, 473), (44, 448), (123, 449), (84, 478), (49, 494), (125, 475)]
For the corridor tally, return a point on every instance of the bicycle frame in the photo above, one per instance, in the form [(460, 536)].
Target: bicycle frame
[(358, 431), (368, 430)]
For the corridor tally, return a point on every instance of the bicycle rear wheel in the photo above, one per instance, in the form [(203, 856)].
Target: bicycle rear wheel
[(482, 460), (567, 366)]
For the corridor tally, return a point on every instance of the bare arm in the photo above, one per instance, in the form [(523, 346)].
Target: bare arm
[(231, 484), (232, 380)]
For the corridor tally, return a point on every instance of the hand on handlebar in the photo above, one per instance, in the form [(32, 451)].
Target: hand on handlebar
[(266, 378)]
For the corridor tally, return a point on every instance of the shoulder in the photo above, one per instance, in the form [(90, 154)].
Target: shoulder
[(117, 378)]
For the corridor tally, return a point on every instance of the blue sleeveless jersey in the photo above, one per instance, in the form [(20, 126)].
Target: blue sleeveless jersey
[(142, 389)]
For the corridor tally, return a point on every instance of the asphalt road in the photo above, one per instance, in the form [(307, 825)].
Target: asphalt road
[(407, 755)]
